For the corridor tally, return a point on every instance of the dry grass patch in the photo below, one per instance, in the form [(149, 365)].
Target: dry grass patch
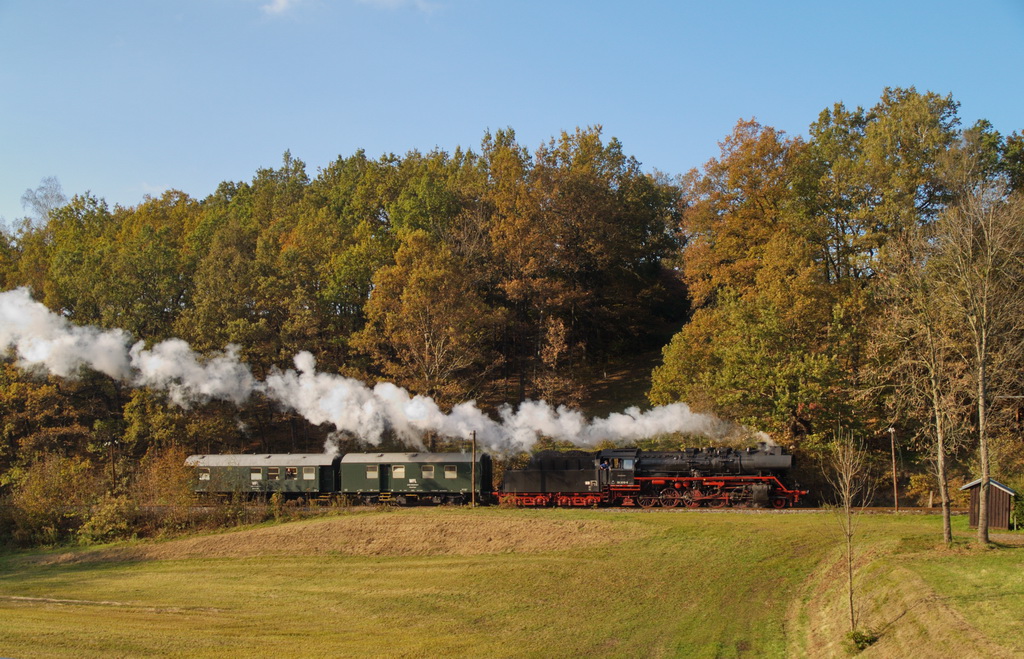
[(903, 594), (400, 533), (900, 607)]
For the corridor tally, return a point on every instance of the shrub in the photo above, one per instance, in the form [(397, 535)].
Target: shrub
[(277, 505), (861, 639), (112, 518), (165, 485), (51, 498)]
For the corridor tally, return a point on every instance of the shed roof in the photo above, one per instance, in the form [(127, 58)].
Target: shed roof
[(383, 458), (262, 460), (992, 483)]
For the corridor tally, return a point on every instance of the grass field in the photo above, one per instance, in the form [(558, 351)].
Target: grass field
[(517, 583)]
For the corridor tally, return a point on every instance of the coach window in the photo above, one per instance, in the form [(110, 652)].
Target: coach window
[(255, 473), (273, 473), (291, 473), (309, 473), (428, 471), (204, 473), (398, 471), (371, 472), (451, 471)]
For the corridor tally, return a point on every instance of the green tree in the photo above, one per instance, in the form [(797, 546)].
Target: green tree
[(1012, 163), (867, 175), (8, 260), (79, 241), (149, 268)]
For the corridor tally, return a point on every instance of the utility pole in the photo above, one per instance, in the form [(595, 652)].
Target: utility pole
[(895, 492), (472, 499)]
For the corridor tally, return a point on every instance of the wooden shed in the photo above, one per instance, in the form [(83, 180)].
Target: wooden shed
[(1000, 504)]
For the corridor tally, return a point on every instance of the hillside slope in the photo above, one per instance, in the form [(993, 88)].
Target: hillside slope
[(506, 583)]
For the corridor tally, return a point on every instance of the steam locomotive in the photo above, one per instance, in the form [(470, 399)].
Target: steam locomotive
[(694, 477)]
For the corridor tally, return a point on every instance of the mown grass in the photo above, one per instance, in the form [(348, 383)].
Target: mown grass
[(681, 584), (985, 585)]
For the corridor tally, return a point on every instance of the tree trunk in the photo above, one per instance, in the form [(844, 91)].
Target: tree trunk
[(935, 363), (849, 567), (940, 465), (983, 450)]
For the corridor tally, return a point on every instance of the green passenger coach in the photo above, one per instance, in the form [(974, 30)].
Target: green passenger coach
[(310, 475), (407, 478)]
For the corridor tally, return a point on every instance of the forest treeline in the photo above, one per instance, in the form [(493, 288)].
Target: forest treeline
[(865, 276)]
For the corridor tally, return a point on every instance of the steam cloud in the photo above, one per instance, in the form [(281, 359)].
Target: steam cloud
[(42, 339)]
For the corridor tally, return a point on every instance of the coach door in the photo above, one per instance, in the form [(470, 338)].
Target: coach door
[(385, 477)]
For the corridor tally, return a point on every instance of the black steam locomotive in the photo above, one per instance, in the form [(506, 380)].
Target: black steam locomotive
[(715, 477)]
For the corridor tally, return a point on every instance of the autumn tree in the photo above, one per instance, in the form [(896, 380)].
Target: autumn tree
[(579, 236), (762, 343), (784, 237), (518, 273), (40, 415), (51, 497), (734, 207), (427, 326)]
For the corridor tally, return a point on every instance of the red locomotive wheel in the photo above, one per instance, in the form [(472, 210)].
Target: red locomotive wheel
[(717, 498), (720, 501), (647, 501), (780, 502), (670, 497)]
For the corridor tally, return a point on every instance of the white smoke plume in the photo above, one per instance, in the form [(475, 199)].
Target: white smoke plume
[(39, 338)]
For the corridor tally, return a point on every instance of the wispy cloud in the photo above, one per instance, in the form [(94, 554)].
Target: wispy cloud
[(421, 5), (154, 190), (277, 7)]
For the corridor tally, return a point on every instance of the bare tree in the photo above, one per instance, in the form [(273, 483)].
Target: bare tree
[(916, 354), (849, 475), (980, 274), (43, 200)]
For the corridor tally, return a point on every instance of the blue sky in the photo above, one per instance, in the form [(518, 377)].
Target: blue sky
[(126, 98)]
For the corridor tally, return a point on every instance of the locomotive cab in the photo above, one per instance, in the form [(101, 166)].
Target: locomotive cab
[(617, 466)]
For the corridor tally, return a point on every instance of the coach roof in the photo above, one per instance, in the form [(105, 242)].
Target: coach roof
[(263, 460), (388, 458)]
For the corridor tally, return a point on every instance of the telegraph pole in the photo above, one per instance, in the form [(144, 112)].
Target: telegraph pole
[(472, 499), (895, 492)]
